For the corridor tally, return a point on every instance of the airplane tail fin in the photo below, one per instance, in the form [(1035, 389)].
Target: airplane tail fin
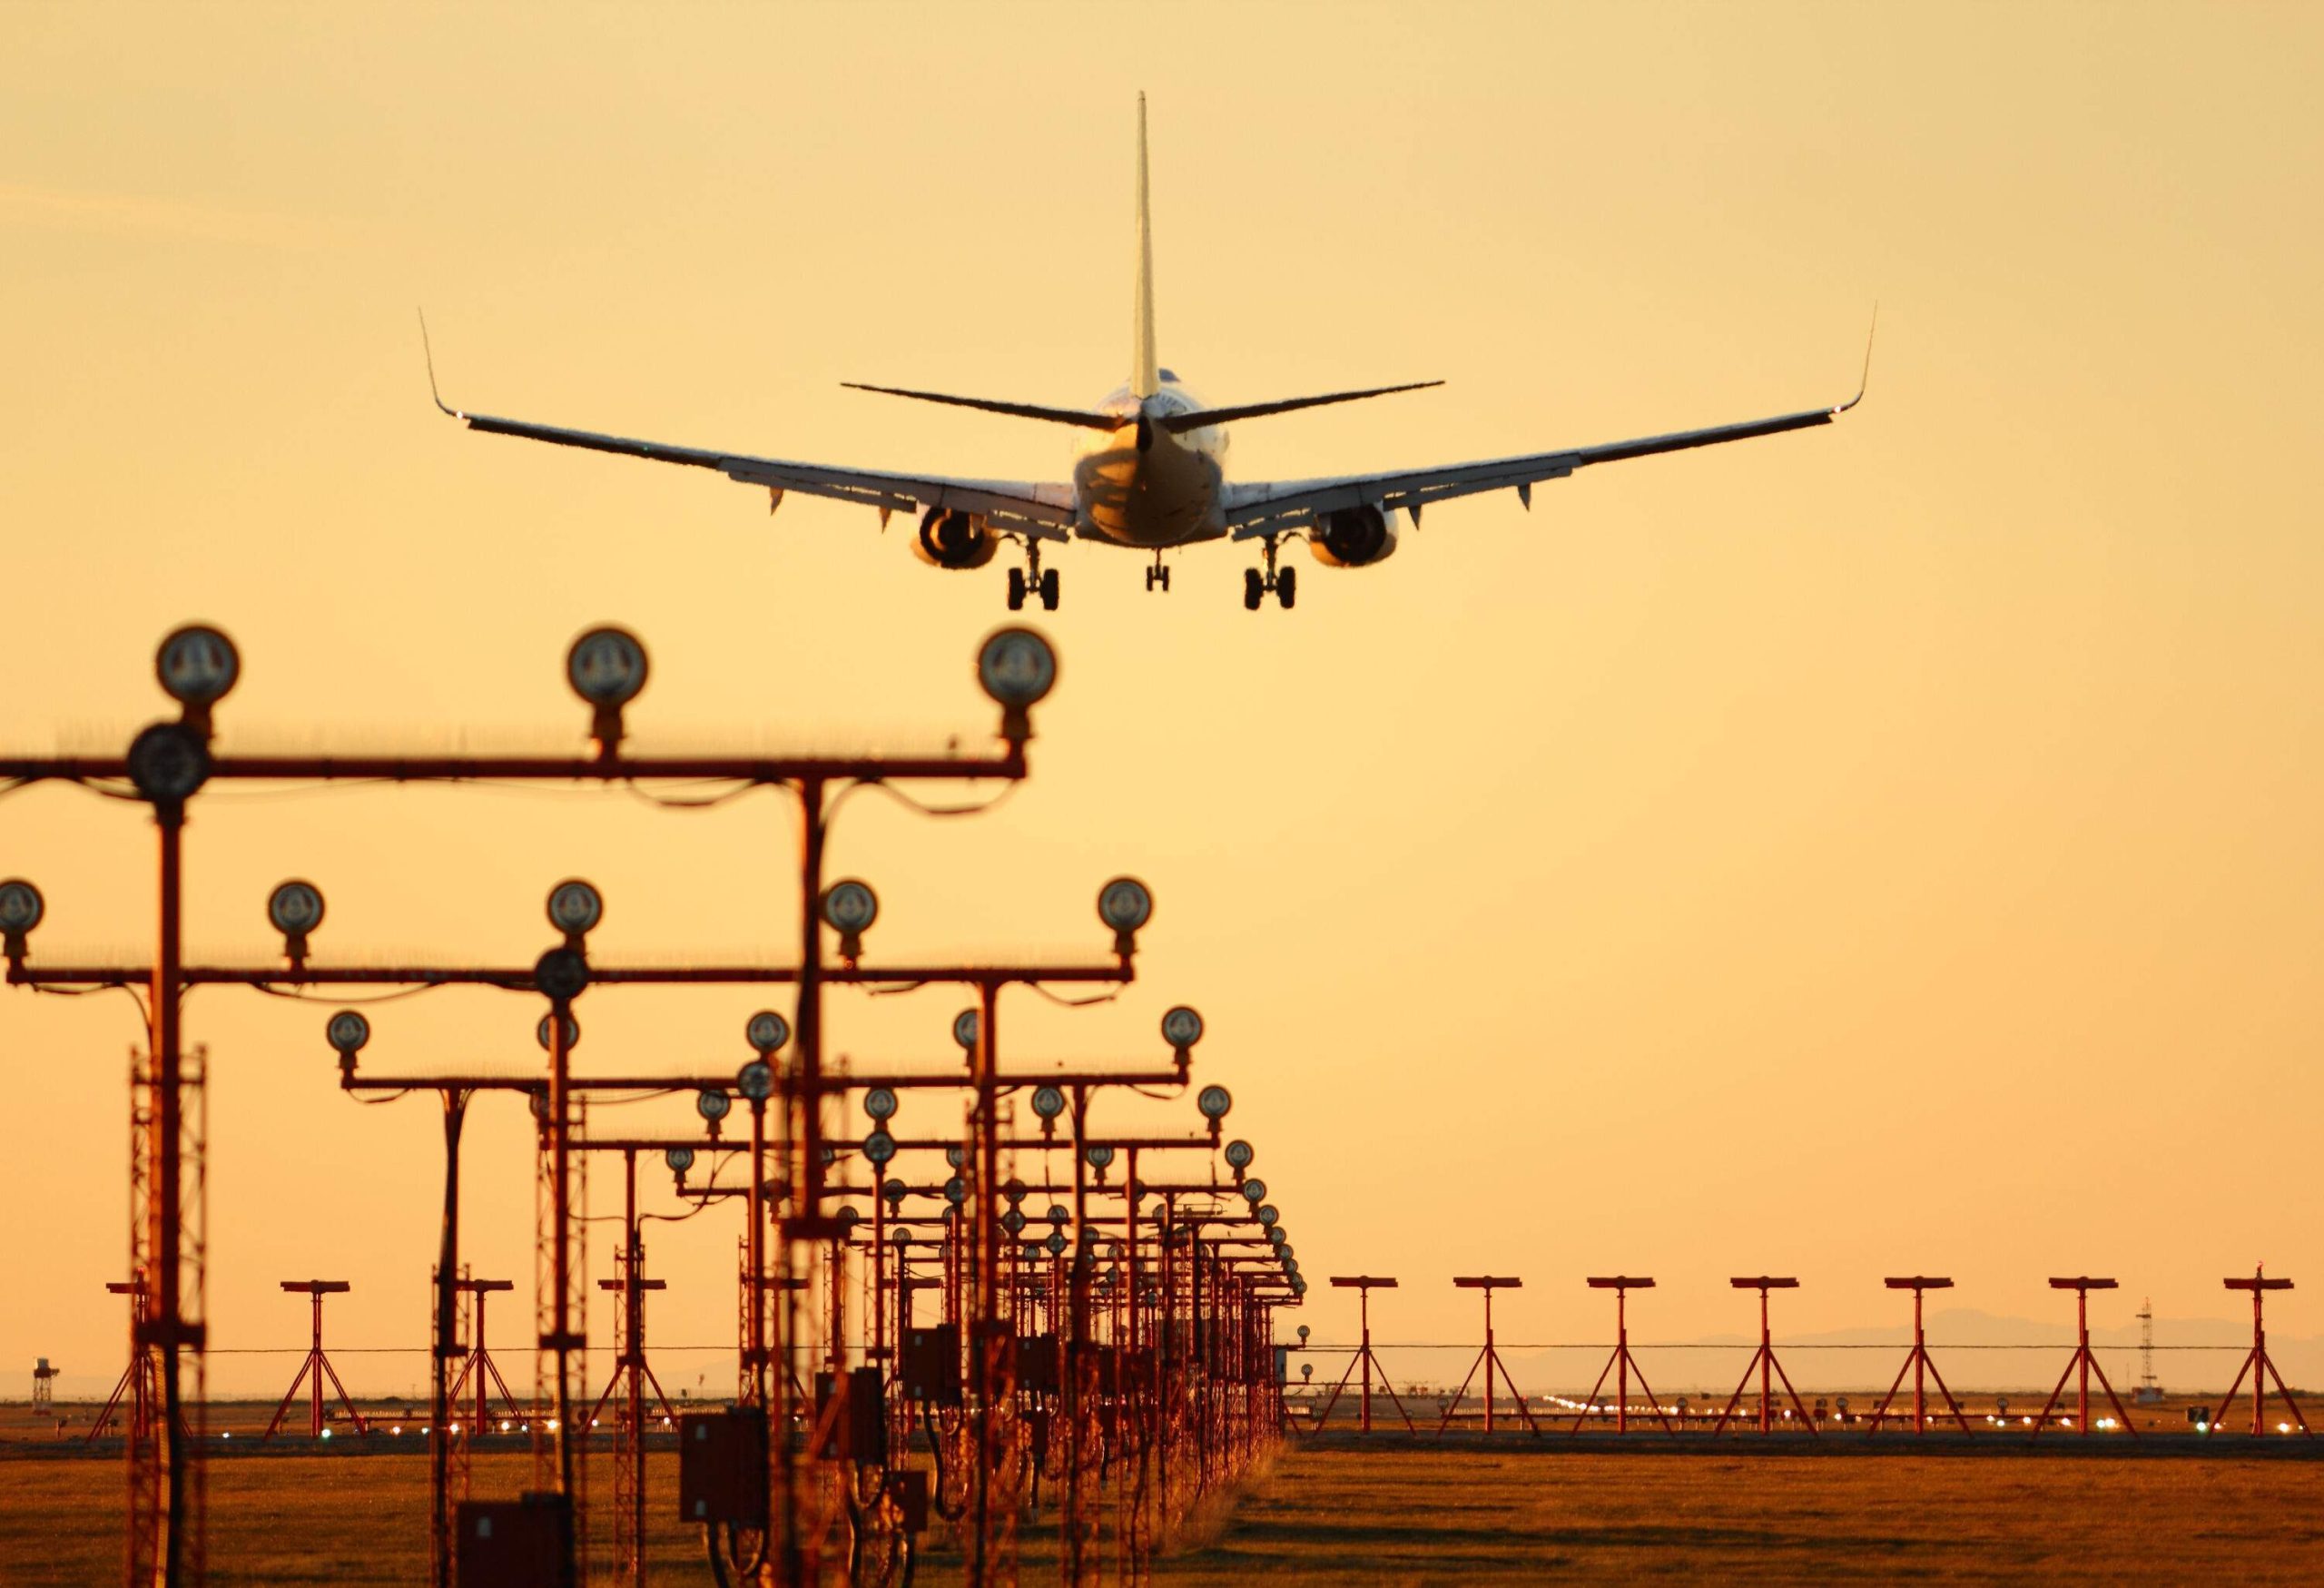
[(1144, 365)]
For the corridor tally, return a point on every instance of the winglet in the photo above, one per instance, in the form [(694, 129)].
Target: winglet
[(428, 353), (1864, 382)]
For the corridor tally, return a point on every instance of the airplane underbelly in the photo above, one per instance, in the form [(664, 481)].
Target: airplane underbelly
[(1164, 496)]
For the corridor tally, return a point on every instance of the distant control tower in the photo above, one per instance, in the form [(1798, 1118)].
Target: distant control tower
[(44, 1388)]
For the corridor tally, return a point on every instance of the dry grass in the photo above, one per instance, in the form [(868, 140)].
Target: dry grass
[(1385, 1515)]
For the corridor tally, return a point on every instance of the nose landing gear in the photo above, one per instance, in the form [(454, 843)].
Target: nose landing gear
[(1283, 583), (1031, 581), (1158, 576)]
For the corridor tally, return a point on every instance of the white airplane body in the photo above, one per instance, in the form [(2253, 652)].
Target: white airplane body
[(1149, 473)]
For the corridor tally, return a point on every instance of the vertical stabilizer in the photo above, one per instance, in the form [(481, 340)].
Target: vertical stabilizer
[(1145, 368)]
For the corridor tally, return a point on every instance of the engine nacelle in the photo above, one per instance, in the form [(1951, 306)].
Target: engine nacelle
[(1354, 538), (953, 539)]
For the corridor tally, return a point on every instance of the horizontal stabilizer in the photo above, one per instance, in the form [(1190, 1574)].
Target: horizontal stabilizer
[(1204, 417), (1086, 418)]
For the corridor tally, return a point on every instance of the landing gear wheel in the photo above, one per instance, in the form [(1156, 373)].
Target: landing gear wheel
[(1017, 590), (1286, 587), (1254, 592), (1048, 590)]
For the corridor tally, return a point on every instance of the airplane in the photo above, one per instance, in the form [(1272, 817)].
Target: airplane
[(1149, 473)]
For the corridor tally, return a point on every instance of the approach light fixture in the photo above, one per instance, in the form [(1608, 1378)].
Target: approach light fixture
[(169, 763), (895, 1192), (21, 910), (295, 909), (711, 1104), (849, 908), (878, 1147), (1060, 1213), (1255, 1191), (755, 1080), (1182, 1028), (1264, 1212), (1100, 1156), (1013, 1222), (574, 908), (1126, 904), (966, 1026), (1049, 1102), (347, 1032), (572, 1031), (956, 1155), (1239, 1155), (900, 1240), (1013, 1189), (1214, 1101), (1056, 1243), (561, 975), (1303, 1334), (607, 667), (679, 1159), (880, 1103), (1017, 668), (766, 1031), (956, 1191)]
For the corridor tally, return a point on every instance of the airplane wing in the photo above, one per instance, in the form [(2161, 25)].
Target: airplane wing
[(1259, 509), (1042, 511)]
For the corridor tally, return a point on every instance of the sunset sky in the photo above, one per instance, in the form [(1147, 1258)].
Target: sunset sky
[(1887, 848)]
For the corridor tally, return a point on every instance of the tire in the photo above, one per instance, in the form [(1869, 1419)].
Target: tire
[(1016, 589), (1254, 592), (1286, 587), (1048, 590)]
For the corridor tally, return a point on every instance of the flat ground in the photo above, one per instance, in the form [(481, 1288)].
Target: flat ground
[(1341, 1513)]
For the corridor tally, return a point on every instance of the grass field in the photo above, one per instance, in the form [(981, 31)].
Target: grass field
[(1349, 1515)]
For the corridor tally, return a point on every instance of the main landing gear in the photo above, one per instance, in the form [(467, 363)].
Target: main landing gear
[(1158, 576), (1284, 583), (1032, 581)]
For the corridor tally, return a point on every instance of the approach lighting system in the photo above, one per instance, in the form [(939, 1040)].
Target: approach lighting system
[(878, 1147), (880, 1103), (965, 1026), (1239, 1155), (21, 908), (1018, 667), (574, 908), (571, 1031), (766, 1031), (1182, 1028), (1214, 1101), (169, 763), (295, 909), (1125, 904), (850, 907), (197, 666), (711, 1104), (607, 667), (755, 1080), (679, 1159)]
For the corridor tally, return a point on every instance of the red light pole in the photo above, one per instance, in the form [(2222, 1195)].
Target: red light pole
[(2081, 1285), (1917, 1362), (2257, 1363), (316, 1365), (1762, 1361), (1621, 1364), (1364, 1285), (1489, 1359)]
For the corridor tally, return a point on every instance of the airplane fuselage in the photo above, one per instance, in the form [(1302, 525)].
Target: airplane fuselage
[(1144, 486)]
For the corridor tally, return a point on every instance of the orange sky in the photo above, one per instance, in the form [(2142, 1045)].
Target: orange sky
[(1891, 847)]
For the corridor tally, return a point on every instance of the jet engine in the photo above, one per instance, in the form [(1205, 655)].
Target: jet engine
[(953, 539), (1354, 538)]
